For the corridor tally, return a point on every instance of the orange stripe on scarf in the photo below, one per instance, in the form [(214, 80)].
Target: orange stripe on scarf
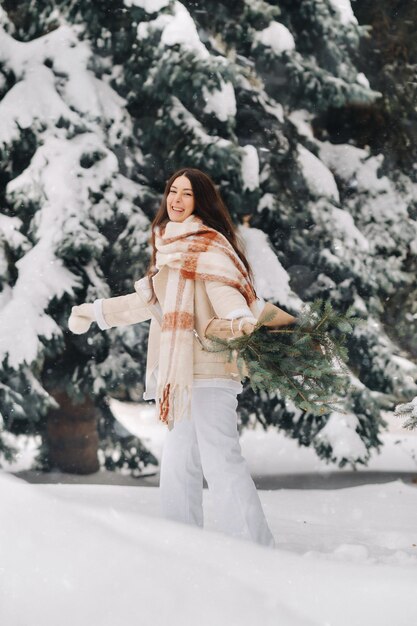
[(178, 319)]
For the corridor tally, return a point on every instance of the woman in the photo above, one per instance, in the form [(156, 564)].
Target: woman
[(198, 273)]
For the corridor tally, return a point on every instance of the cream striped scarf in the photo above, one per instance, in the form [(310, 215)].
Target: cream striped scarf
[(192, 251)]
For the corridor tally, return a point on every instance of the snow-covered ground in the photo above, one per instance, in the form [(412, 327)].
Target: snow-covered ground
[(82, 554)]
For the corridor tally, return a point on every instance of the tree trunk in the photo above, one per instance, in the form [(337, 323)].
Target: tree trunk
[(71, 436)]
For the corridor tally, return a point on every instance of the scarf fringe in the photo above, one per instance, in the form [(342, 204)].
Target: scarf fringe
[(174, 400)]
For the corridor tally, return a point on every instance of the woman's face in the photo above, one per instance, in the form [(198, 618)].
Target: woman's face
[(180, 199)]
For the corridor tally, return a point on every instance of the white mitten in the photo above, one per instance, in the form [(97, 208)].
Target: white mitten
[(246, 325), (81, 318)]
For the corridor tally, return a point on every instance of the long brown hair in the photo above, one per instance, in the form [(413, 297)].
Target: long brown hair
[(209, 206)]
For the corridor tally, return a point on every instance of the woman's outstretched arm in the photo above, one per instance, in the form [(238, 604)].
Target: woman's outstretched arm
[(110, 312)]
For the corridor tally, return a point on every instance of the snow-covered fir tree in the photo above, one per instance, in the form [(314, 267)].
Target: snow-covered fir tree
[(72, 229), (103, 100)]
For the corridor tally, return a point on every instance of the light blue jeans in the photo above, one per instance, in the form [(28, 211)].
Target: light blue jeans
[(209, 444)]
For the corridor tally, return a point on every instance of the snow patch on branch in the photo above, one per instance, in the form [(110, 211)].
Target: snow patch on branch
[(355, 166), (340, 434), (181, 116), (150, 6), (351, 235), (362, 80), (317, 176), (275, 283), (54, 83), (277, 37), (250, 168), (41, 277), (344, 9), (301, 120), (221, 102), (178, 28), (10, 233), (30, 101)]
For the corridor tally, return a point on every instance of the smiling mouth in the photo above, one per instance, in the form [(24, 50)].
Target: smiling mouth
[(177, 210)]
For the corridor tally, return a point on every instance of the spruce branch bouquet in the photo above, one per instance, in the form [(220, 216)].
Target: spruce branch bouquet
[(304, 361)]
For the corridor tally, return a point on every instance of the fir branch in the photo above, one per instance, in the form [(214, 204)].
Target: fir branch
[(409, 411), (298, 360)]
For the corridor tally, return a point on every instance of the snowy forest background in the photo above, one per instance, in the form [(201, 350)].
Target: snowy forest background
[(303, 112)]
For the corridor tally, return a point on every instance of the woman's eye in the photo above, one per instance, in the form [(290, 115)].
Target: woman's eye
[(186, 193)]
